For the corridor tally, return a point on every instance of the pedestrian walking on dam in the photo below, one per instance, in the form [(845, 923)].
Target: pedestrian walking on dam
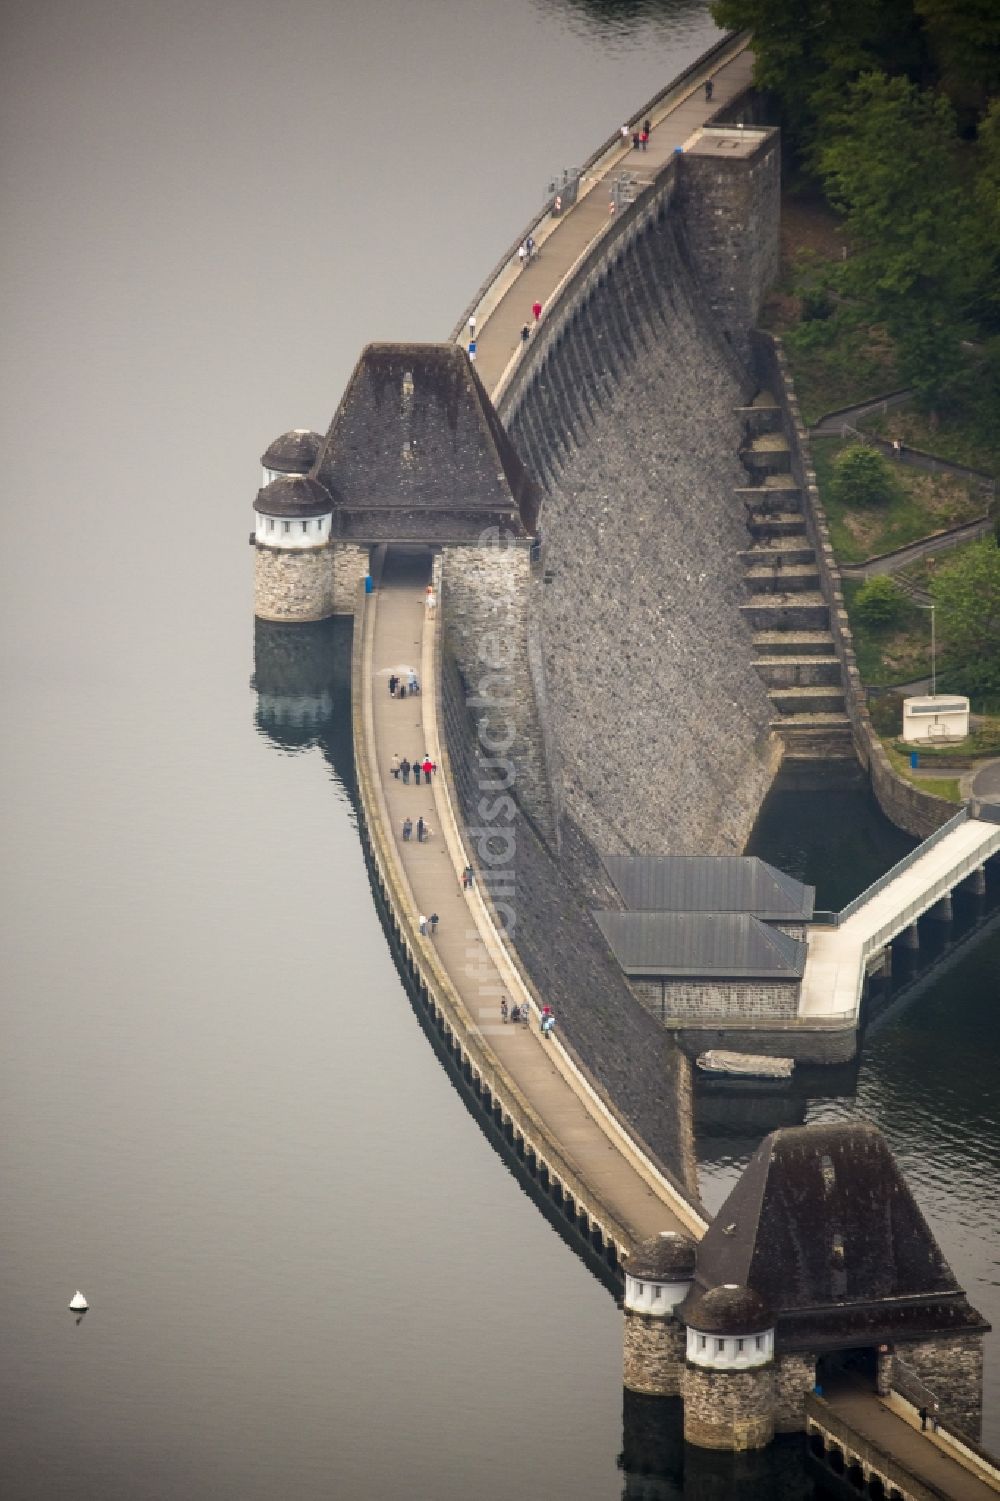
[(421, 829), (525, 333), (503, 1009), (407, 828), (468, 878), (428, 767), (416, 772), (434, 920), (394, 768), (422, 924), (536, 308), (393, 685), (709, 89), (404, 769)]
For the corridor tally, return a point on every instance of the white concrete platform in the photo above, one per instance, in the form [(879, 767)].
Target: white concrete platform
[(836, 957)]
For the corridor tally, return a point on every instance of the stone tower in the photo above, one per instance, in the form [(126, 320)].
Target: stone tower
[(657, 1279), (728, 1381), (293, 563)]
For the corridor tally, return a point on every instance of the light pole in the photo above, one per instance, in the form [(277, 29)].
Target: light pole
[(932, 608)]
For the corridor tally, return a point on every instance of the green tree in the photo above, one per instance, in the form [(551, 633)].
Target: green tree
[(808, 51), (879, 602), (967, 594), (861, 477), (963, 40), (891, 164)]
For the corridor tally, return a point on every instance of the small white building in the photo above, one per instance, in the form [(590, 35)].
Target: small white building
[(935, 718)]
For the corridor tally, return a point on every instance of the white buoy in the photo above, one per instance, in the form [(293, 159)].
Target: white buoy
[(78, 1302)]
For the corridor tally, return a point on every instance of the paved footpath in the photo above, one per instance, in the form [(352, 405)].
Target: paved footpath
[(835, 957), (920, 1453), (506, 306), (405, 727)]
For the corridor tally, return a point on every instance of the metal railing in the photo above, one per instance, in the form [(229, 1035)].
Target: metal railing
[(897, 870)]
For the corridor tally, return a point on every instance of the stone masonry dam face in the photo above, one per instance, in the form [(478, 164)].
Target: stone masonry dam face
[(660, 720)]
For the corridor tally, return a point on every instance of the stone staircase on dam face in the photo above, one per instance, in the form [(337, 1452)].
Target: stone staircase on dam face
[(785, 606)]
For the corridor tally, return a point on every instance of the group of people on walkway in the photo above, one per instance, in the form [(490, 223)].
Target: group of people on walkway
[(639, 135), (428, 925), (423, 828), (526, 251), (522, 1014), (398, 688), (402, 769)]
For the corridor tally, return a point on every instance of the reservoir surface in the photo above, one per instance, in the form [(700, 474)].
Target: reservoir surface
[(309, 1273)]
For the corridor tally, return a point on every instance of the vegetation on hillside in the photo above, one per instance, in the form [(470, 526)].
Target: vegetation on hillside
[(894, 111)]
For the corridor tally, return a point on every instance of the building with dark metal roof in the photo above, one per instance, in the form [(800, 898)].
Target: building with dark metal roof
[(416, 452), (710, 883), (701, 945), (822, 1226)]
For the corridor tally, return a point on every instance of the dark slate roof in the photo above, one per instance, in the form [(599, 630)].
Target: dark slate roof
[(729, 1309), (415, 431), (293, 453), (668, 1257), (824, 1228), (710, 883), (701, 945), (296, 495)]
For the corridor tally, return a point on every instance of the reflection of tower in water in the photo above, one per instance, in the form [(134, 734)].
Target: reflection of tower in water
[(302, 676)]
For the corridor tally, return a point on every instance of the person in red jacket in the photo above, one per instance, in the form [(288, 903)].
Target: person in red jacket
[(427, 767), (536, 308)]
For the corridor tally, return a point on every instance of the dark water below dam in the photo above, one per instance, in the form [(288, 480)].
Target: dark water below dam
[(309, 1273)]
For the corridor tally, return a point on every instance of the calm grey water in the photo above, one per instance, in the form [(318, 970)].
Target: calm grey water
[(309, 1273)]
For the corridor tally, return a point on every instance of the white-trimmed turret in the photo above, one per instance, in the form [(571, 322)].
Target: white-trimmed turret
[(728, 1384), (658, 1277), (294, 557), (294, 452)]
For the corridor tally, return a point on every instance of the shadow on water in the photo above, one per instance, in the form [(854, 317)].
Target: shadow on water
[(657, 1465), (828, 831), (302, 678)]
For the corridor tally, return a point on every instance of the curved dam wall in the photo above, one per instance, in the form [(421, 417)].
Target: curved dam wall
[(626, 412)]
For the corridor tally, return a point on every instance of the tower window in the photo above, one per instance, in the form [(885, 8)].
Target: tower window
[(720, 1346), (270, 523), (702, 1342), (759, 1341), (286, 526), (640, 1286), (739, 1344), (656, 1293)]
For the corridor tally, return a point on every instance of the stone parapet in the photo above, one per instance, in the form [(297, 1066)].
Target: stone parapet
[(794, 1379), (951, 1370), (350, 564), (485, 597)]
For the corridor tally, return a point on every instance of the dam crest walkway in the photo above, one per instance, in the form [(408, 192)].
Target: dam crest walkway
[(587, 1146)]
